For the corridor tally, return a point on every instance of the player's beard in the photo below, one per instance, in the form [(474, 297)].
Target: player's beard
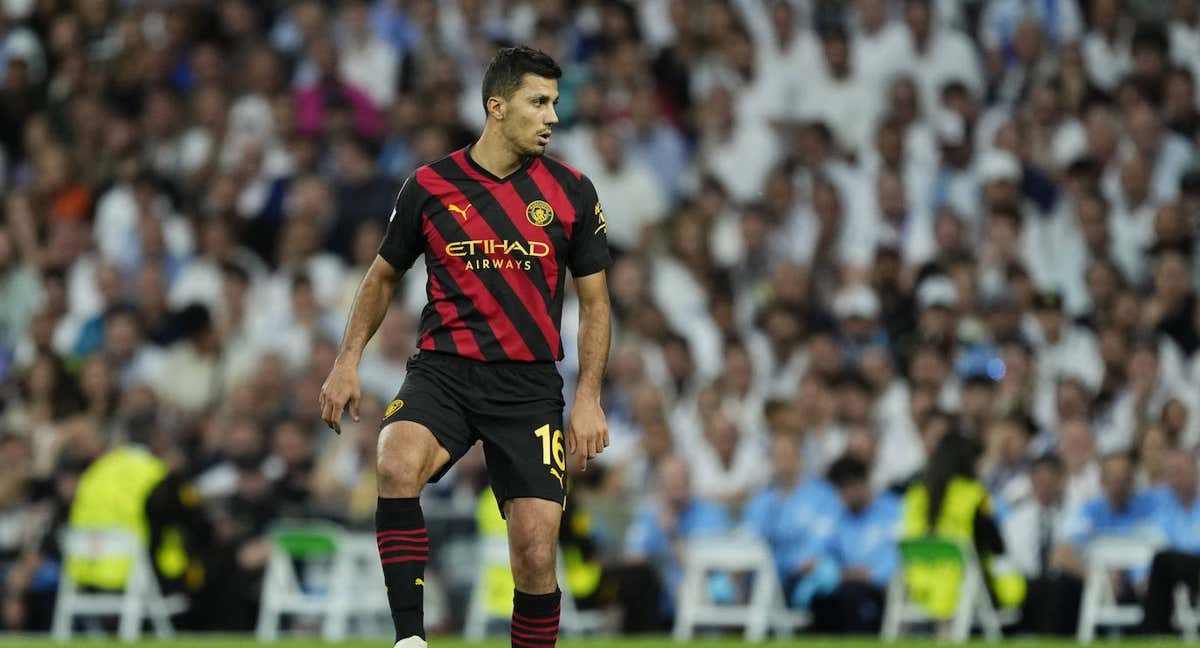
[(526, 146), (535, 149)]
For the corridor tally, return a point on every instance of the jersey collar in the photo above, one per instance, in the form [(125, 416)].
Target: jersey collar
[(529, 160)]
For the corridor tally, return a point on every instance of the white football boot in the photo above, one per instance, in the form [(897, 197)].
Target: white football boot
[(411, 642)]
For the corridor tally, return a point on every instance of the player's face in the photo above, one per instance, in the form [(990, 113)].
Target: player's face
[(530, 115)]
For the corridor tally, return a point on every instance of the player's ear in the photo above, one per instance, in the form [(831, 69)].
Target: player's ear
[(496, 107)]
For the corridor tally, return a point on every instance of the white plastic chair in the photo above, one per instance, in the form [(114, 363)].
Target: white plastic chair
[(493, 554), (284, 589), (974, 605), (357, 592), (1099, 606), (765, 607), (141, 599)]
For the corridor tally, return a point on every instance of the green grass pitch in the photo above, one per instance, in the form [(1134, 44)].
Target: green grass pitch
[(616, 642)]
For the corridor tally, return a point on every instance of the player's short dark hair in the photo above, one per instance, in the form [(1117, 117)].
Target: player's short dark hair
[(510, 65), (847, 470)]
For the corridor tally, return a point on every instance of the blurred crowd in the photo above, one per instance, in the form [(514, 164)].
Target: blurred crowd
[(840, 229)]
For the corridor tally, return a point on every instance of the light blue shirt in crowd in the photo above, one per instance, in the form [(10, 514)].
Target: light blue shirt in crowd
[(868, 538), (795, 523), (645, 537), (1097, 518), (1180, 523)]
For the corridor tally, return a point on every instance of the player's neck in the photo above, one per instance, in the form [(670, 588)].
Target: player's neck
[(493, 153)]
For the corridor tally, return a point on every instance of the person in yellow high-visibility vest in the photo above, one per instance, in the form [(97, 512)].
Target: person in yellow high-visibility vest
[(582, 571), (948, 502), (130, 488)]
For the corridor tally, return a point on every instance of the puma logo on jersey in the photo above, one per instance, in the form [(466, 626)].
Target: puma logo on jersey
[(461, 211), (419, 583)]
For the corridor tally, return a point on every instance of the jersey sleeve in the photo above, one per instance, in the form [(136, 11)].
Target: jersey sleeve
[(402, 241), (588, 250)]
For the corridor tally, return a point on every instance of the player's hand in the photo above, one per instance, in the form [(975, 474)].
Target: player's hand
[(340, 389), (587, 430)]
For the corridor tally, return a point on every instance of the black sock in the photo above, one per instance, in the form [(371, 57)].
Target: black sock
[(403, 550), (535, 619)]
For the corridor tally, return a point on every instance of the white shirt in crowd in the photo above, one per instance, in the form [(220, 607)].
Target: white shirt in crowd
[(1029, 530), (711, 479), (631, 197)]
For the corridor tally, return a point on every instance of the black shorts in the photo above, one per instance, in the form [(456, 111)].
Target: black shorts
[(515, 408)]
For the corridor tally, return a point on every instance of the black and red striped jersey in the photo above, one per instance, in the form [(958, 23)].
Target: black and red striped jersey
[(496, 251)]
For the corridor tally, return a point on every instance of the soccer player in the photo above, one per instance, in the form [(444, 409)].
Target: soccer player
[(499, 223)]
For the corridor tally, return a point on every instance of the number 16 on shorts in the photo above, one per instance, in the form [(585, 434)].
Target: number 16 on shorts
[(552, 448)]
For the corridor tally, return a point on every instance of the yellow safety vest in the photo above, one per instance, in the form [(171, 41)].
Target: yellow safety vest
[(112, 493), (936, 586), (582, 577), (497, 581)]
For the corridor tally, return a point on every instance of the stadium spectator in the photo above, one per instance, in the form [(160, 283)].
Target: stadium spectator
[(1030, 529), (1179, 563), (786, 512), (950, 502), (1121, 510), (659, 528), (860, 544)]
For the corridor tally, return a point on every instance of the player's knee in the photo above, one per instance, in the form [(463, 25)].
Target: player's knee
[(407, 455), (535, 558), (399, 475)]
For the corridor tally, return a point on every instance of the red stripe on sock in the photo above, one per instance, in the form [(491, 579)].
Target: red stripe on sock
[(400, 559), (549, 635), (547, 627), (536, 621)]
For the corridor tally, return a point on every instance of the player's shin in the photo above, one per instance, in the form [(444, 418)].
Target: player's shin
[(403, 551), (535, 619)]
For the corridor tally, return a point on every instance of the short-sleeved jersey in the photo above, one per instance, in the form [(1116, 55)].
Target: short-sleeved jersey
[(496, 251)]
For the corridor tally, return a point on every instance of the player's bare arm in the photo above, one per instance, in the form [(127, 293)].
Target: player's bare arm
[(341, 387), (588, 430)]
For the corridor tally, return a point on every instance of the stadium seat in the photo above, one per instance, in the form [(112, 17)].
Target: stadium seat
[(1099, 606), (765, 607), (342, 583), (973, 605), (286, 590), (141, 599), (491, 597), (357, 593)]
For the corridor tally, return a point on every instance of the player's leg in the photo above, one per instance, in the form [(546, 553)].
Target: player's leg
[(407, 456), (533, 543), (518, 414)]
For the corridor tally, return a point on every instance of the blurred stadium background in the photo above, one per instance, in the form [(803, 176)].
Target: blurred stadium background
[(843, 231)]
